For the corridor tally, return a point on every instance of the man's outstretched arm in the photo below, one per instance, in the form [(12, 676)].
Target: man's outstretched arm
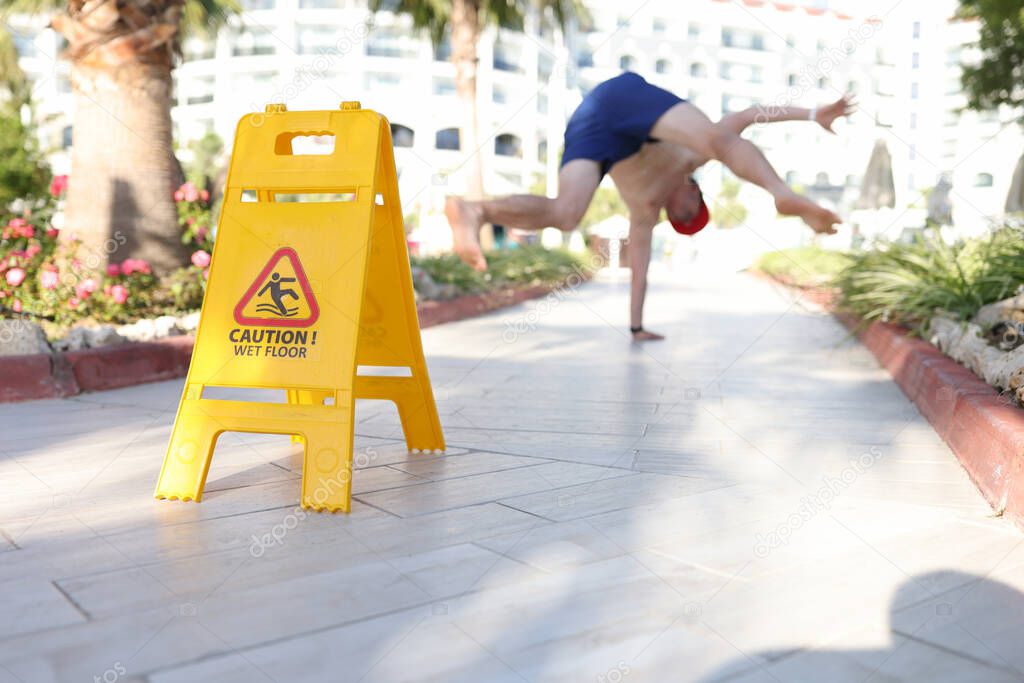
[(687, 125)]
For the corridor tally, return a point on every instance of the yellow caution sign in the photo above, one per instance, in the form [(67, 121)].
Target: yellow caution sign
[(309, 282)]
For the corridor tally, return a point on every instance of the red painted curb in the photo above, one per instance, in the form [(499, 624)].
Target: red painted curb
[(984, 431), (35, 376), (42, 375), (113, 367)]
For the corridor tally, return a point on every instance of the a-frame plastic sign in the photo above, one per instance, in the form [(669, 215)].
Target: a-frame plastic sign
[(309, 281)]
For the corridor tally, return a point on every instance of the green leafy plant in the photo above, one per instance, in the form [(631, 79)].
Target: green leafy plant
[(506, 268), (807, 266), (910, 283)]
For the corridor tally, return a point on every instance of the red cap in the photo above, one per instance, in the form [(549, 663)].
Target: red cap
[(695, 224)]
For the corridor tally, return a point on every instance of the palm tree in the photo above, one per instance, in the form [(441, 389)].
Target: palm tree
[(465, 20), (123, 166)]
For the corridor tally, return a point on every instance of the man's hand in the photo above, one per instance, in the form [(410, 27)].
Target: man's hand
[(644, 335), (826, 116)]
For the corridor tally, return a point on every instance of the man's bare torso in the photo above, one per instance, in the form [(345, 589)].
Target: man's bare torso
[(647, 178)]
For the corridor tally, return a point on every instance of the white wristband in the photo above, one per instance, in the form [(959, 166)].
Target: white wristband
[(811, 114)]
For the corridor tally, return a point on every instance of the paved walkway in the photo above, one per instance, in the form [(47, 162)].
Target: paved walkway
[(752, 500)]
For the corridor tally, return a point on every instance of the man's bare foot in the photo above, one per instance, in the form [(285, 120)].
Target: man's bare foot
[(817, 217), (466, 219)]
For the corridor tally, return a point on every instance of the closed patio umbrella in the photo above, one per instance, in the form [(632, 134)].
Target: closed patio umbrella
[(940, 208), (877, 190), (1015, 197)]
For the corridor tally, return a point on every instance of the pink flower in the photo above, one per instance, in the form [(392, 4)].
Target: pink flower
[(202, 232), (204, 195), (15, 276), (134, 265), (58, 185), (190, 220), (206, 274), (200, 259), (52, 232), (113, 270), (32, 250), (16, 306), (73, 303), (49, 279), (119, 293), (179, 196), (85, 288), (189, 193)]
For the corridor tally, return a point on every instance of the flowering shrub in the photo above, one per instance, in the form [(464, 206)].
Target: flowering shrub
[(43, 277), (194, 216)]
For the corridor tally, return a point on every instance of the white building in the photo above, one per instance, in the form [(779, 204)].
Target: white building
[(723, 55)]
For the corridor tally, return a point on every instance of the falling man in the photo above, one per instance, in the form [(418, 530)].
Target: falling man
[(650, 141)]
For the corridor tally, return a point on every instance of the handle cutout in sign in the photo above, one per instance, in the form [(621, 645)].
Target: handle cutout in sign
[(319, 143), (313, 197)]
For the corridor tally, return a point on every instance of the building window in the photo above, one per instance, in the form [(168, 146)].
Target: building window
[(822, 83), (402, 136), (542, 150), (375, 80), (739, 72), (443, 50), (917, 29), (392, 42), (253, 41), (663, 66), (698, 70), (447, 139), (913, 120), (545, 66), (542, 103), (24, 43), (659, 25), (585, 59), (65, 137), (792, 80), (915, 60), (315, 38), (499, 95), (196, 48), (693, 32), (742, 39), (202, 90), (913, 90), (983, 180), (508, 145), (321, 4), (912, 153), (257, 4), (627, 63), (506, 58), (792, 178), (444, 86)]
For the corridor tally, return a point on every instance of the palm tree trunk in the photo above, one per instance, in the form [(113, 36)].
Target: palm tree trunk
[(123, 169), (465, 23)]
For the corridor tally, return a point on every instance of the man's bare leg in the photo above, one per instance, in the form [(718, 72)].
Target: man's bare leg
[(687, 125), (577, 182)]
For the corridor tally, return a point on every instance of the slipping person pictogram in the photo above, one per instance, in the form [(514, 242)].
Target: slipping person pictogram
[(277, 294), (280, 295)]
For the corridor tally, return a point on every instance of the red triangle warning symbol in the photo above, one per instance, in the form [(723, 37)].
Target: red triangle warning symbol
[(280, 296)]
